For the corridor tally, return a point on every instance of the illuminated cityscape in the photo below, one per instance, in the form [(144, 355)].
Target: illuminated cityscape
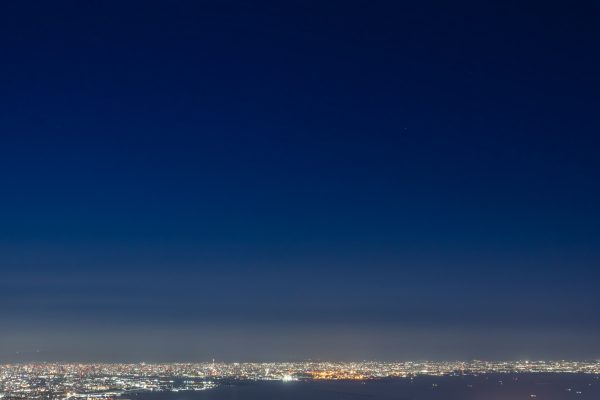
[(229, 200), (73, 381)]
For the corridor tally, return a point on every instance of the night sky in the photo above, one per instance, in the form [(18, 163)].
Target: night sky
[(238, 180)]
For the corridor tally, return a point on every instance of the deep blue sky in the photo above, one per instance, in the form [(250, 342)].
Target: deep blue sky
[(189, 180)]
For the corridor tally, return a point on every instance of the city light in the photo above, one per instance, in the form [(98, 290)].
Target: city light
[(104, 381)]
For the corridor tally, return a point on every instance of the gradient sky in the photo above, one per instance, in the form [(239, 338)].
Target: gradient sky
[(183, 180)]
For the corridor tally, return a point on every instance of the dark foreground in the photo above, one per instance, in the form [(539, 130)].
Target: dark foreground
[(485, 387)]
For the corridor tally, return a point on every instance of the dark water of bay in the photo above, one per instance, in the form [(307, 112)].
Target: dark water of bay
[(485, 387)]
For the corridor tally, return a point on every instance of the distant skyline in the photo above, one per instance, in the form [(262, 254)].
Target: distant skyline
[(184, 181)]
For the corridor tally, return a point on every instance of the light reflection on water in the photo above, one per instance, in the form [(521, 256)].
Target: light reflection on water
[(486, 387)]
